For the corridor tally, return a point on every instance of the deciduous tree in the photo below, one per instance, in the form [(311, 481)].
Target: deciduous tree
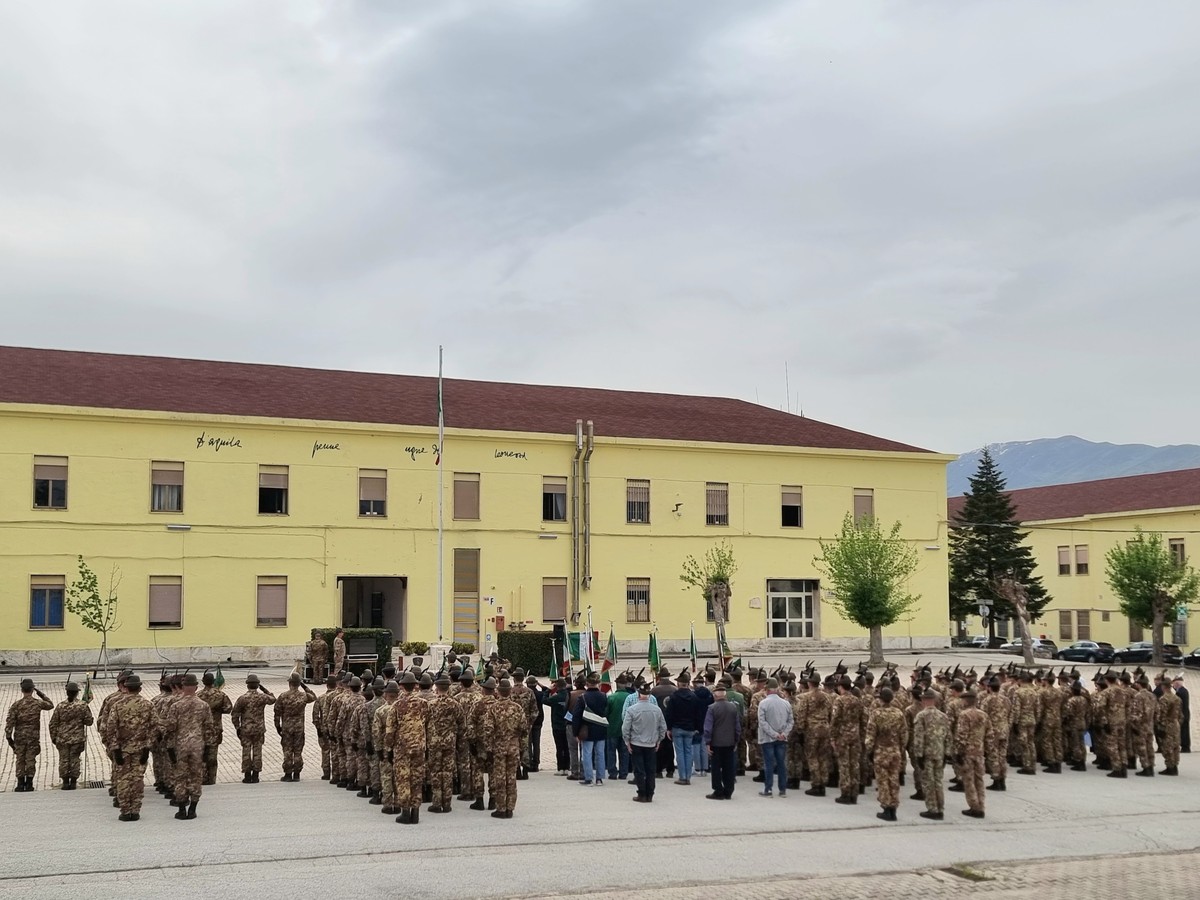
[(1150, 583), (97, 612)]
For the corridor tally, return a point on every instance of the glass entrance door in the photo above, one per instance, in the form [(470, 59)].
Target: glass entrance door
[(792, 608)]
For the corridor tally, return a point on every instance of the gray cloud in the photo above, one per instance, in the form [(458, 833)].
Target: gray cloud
[(954, 226)]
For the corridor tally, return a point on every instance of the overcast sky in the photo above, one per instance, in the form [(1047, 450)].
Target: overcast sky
[(955, 223)]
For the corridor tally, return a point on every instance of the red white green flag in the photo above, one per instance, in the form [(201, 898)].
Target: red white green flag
[(610, 657)]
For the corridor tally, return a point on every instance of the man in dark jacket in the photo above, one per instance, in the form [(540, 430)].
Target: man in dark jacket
[(1185, 715), (722, 731), (589, 720), (682, 713), (661, 692), (556, 699), (535, 730), (699, 748)]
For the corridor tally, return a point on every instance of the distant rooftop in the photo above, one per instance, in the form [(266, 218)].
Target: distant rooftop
[(1161, 490), (204, 387)]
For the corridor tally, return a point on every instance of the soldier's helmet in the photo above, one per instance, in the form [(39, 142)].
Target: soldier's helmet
[(391, 688), (443, 681), (408, 678), (209, 679), (190, 680), (531, 681), (664, 672), (930, 694), (467, 676), (367, 676), (355, 683), (505, 686), (489, 684), (72, 687), (294, 678), (132, 681), (518, 674), (251, 678), (426, 680), (27, 684), (379, 683), (330, 681)]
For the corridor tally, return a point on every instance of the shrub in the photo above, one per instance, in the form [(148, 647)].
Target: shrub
[(461, 647), (528, 650), (414, 648)]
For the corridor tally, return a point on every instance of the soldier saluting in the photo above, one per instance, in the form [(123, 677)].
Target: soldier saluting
[(68, 733), (251, 726), (22, 730)]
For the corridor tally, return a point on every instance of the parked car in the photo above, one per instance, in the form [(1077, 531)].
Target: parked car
[(1088, 652), (979, 642), (1043, 648), (1143, 652), (1192, 660)]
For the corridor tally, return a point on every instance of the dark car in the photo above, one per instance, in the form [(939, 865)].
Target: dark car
[(1143, 652), (1088, 652), (1192, 660)]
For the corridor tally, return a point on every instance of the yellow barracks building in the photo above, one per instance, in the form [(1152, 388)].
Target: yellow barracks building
[(243, 505)]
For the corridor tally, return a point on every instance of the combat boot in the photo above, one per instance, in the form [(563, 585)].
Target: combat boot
[(901, 779), (405, 817), (478, 804), (793, 784), (125, 817), (1054, 768), (498, 814), (1118, 773), (927, 814), (1147, 772), (182, 812), (325, 775), (847, 799), (116, 803), (957, 788), (508, 813), (427, 794), (376, 799), (1024, 771), (191, 810), (287, 776), (363, 793), (465, 797), (973, 813), (389, 810), (817, 790), (436, 809), (919, 795), (255, 775), (248, 778), (997, 785), (29, 784), (416, 815), (1079, 767), (491, 802), (1170, 770)]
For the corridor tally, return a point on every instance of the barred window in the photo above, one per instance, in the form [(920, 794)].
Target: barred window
[(716, 503), (637, 501), (637, 599)]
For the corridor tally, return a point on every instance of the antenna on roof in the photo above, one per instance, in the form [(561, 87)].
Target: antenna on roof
[(787, 384)]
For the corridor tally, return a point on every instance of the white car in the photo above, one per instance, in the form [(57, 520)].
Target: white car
[(1043, 648)]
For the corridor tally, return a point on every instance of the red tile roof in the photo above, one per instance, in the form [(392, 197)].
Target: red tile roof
[(202, 387), (1161, 490)]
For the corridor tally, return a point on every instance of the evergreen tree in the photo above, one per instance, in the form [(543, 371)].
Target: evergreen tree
[(987, 545)]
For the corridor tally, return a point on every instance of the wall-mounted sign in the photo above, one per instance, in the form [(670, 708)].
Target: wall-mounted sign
[(216, 443)]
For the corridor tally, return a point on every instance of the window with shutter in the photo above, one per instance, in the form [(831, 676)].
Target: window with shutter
[(372, 492), (166, 601), (466, 495), (49, 482), (273, 490), (791, 506), (554, 599), (272, 600), (166, 486)]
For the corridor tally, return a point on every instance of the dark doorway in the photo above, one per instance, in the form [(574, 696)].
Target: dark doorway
[(375, 601)]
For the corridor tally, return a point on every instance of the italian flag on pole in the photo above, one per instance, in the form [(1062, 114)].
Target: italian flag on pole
[(692, 648), (610, 657)]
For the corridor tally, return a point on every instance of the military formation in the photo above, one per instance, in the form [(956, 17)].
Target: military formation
[(401, 740)]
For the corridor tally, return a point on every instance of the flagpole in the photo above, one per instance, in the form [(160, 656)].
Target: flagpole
[(441, 503)]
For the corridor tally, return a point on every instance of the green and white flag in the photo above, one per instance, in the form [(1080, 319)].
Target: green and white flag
[(652, 658)]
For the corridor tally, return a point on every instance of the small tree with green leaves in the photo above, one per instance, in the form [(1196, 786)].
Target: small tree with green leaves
[(1150, 583), (869, 570), (95, 611), (713, 576)]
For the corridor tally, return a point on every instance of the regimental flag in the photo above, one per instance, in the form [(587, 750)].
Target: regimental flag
[(610, 657), (479, 668), (589, 658), (652, 658), (219, 679), (87, 689), (692, 648)]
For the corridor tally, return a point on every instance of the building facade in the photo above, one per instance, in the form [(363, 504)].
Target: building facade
[(243, 505), (1072, 527)]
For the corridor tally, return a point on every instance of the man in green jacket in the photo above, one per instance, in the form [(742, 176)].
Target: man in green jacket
[(616, 753)]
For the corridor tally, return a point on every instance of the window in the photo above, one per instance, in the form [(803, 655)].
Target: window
[(554, 599), (1175, 547), (466, 495), (50, 482), (637, 501), (637, 599), (1135, 632), (166, 601), (46, 601), (1064, 560), (372, 492), (1064, 624), (554, 498), (1083, 625), (272, 600), (272, 490), (466, 594), (791, 506), (1105, 616), (716, 503), (1081, 559), (166, 487), (1179, 632), (792, 608), (864, 504)]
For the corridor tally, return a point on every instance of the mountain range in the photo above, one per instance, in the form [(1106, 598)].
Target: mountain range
[(1063, 460)]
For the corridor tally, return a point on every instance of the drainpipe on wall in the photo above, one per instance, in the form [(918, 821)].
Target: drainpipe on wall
[(574, 611), (586, 581)]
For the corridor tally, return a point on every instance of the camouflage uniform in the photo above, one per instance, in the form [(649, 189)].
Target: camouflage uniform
[(998, 709), (816, 735), (404, 738), (354, 742), (318, 657), (1050, 734), (754, 750), (333, 728), (23, 726), (506, 729), (743, 743), (1113, 721), (289, 721), (130, 728), (480, 749), (930, 747), (1096, 726), (387, 782), (1141, 728), (1075, 723), (320, 717), (1167, 716), (160, 760), (466, 699), (442, 733), (971, 740), (68, 733), (220, 705), (188, 730), (845, 732), (339, 654), (1026, 712), (527, 700), (887, 735), (248, 718), (366, 727)]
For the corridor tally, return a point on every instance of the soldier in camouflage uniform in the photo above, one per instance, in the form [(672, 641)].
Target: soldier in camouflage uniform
[(795, 746), (367, 727), (130, 731), (289, 724), (318, 656), (387, 781), (405, 735), (250, 724), (1050, 733), (971, 740), (1027, 705), (320, 711), (930, 747), (220, 705), (1167, 716), (479, 746), (1075, 723), (754, 753), (887, 735), (68, 734), (466, 698), (735, 684), (528, 701), (442, 734), (506, 730), (845, 734), (106, 705), (818, 712), (353, 743), (339, 652), (159, 761), (1113, 723), (1141, 726), (188, 731), (22, 730), (996, 707)]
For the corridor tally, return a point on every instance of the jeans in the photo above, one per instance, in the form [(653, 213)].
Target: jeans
[(616, 757), (592, 756), (644, 760), (699, 751), (683, 752), (774, 756), (724, 770)]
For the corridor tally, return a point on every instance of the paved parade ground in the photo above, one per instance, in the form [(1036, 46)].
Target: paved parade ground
[(290, 840)]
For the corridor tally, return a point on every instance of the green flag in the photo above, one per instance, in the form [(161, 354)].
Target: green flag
[(652, 658), (219, 680), (87, 690), (479, 667)]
